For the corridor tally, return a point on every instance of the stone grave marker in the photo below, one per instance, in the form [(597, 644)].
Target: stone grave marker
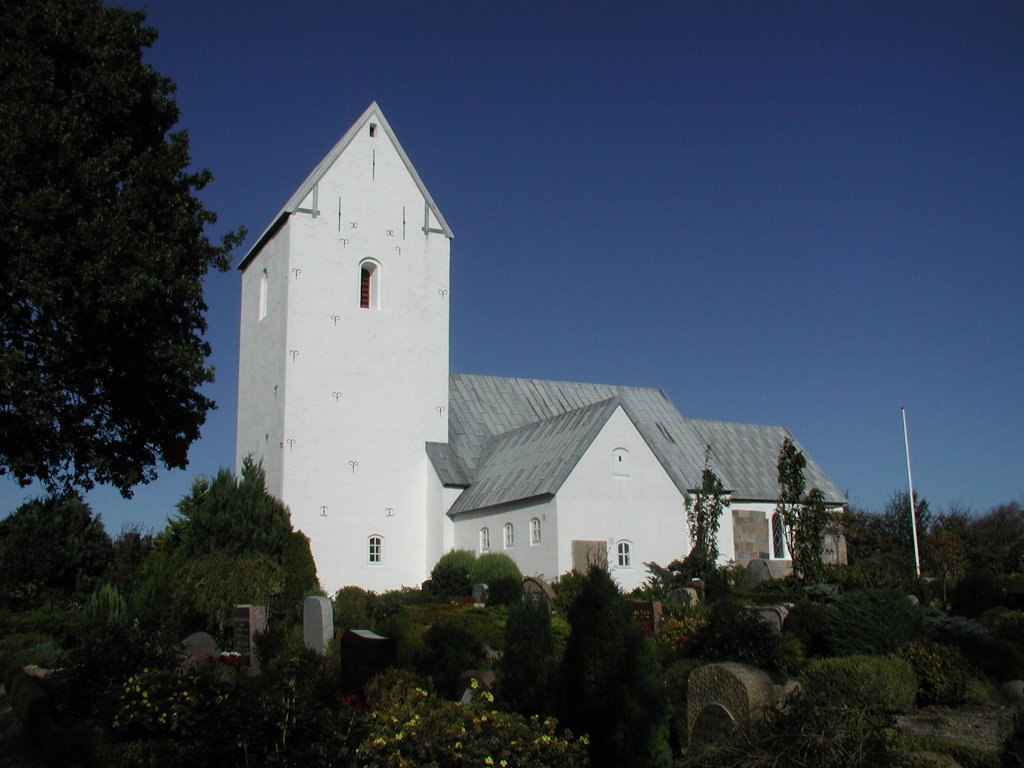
[(535, 586), (480, 595), (249, 621), (772, 615), (464, 689), (198, 647), (763, 570), (683, 597), (721, 695), (317, 623)]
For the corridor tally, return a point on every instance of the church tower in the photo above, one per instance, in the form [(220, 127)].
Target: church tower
[(343, 359)]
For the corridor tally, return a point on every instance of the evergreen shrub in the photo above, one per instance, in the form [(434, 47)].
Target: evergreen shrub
[(452, 575), (886, 683), (975, 593), (872, 622), (809, 623), (501, 575), (448, 651), (943, 675)]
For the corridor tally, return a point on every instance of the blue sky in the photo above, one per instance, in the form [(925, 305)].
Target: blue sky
[(796, 213)]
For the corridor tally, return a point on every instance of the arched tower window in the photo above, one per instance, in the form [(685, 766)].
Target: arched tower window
[(375, 550), (778, 537), (263, 295), (369, 284)]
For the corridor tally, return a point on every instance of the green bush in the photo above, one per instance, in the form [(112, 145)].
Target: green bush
[(1008, 625), (872, 622), (447, 652), (809, 623), (452, 576), (734, 633), (976, 593), (491, 566), (351, 608), (526, 678), (567, 588), (407, 638), (943, 675), (485, 624), (31, 704), (300, 578), (883, 682)]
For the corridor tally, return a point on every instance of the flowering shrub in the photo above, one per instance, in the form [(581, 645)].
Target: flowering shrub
[(156, 703), (674, 632), (410, 726)]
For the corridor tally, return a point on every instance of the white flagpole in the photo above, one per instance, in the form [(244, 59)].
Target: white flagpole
[(910, 482)]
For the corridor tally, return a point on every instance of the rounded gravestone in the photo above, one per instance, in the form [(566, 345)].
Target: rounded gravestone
[(715, 691)]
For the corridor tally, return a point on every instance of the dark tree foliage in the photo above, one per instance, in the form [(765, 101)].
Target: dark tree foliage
[(102, 253), (232, 516), (611, 680), (703, 516), (806, 516), (51, 547), (528, 668), (998, 539)]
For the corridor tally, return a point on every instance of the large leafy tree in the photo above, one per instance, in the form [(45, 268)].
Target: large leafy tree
[(52, 547), (102, 253)]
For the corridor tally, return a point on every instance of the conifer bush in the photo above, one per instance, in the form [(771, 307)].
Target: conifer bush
[(943, 675), (883, 682)]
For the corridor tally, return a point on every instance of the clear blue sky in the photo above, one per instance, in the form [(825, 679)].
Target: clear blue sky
[(797, 213)]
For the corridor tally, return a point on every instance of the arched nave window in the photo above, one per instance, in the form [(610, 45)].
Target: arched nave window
[(535, 531), (510, 536), (778, 537), (485, 539)]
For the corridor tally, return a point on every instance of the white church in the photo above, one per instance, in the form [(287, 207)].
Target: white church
[(387, 459)]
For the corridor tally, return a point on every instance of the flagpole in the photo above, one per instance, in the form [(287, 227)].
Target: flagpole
[(910, 482)]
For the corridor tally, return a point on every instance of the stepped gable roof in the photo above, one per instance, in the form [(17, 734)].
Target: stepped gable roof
[(512, 439), (371, 112), (751, 452)]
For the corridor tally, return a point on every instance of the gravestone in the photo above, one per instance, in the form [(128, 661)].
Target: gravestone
[(683, 597), (720, 696), (250, 620), (648, 613), (317, 623), (363, 655), (480, 595), (198, 648), (763, 570), (772, 615), (535, 586)]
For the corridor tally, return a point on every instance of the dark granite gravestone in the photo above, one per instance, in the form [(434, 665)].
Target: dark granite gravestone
[(480, 595), (317, 623), (250, 620), (363, 655)]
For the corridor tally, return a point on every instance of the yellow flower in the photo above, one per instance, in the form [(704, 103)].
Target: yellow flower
[(488, 760)]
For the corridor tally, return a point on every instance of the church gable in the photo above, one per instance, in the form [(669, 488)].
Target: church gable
[(317, 197)]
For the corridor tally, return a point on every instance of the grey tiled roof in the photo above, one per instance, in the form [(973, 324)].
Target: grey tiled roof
[(751, 452), (512, 439)]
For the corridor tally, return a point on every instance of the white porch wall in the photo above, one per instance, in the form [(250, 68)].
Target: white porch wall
[(533, 559), (645, 508)]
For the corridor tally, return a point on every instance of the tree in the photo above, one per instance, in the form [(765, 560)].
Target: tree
[(102, 253), (52, 546), (999, 538), (611, 680), (806, 516), (703, 515), (236, 516), (527, 674)]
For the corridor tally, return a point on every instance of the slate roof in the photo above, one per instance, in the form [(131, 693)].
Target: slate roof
[(325, 164), (511, 439)]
